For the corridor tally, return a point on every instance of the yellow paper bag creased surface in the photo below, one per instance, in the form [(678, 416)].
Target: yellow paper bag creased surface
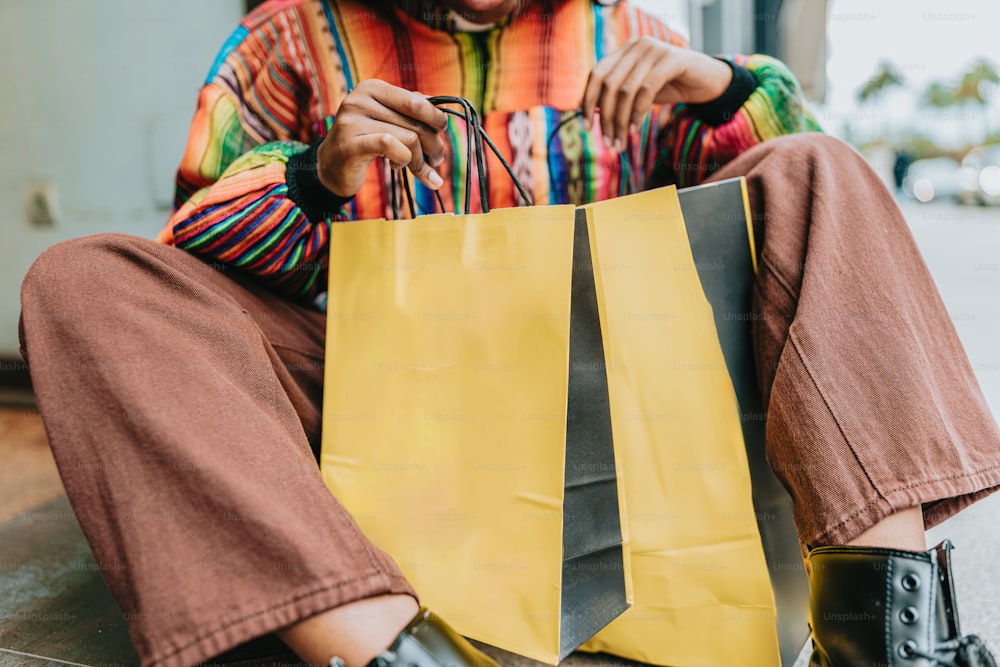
[(445, 409), (702, 594)]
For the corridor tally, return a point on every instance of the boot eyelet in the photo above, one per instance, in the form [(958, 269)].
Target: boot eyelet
[(907, 649), (911, 582), (909, 615)]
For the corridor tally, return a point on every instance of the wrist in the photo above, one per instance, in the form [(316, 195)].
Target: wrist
[(719, 76), (325, 179), (722, 109), (307, 190)]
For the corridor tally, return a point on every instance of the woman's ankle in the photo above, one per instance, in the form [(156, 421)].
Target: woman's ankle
[(355, 632), (902, 530)]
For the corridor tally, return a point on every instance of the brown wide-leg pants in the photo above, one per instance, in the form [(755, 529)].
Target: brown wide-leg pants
[(182, 403)]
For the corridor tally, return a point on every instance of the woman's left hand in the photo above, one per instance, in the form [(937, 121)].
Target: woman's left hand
[(627, 83)]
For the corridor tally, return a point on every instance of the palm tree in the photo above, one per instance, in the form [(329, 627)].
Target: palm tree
[(974, 88), (885, 77), (939, 96), (874, 88)]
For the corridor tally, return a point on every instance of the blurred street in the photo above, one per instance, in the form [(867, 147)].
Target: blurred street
[(962, 247)]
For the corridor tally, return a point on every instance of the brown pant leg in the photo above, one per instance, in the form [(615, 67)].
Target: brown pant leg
[(873, 406), (183, 405)]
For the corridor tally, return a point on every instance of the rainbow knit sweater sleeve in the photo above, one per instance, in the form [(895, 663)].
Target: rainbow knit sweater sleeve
[(233, 202), (691, 148), (247, 192)]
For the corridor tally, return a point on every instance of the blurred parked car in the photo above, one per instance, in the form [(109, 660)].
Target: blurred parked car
[(933, 179), (979, 176)]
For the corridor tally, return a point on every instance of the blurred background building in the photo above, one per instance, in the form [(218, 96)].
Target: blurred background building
[(96, 97)]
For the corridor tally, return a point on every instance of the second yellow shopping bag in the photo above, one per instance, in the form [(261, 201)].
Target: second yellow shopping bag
[(702, 591)]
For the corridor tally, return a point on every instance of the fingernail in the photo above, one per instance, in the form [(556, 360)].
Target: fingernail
[(435, 179), (586, 125), (436, 161), (632, 128), (619, 145), (607, 142)]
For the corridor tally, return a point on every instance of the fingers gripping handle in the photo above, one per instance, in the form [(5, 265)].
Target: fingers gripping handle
[(475, 157)]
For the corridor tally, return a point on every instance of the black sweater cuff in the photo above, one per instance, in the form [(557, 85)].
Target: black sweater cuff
[(722, 109), (306, 190)]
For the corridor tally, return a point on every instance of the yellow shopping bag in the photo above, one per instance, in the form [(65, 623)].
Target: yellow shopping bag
[(457, 435), (702, 594)]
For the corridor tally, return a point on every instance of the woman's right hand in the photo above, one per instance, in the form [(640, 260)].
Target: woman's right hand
[(378, 119)]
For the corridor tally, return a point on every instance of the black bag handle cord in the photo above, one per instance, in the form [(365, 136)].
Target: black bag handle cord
[(475, 157)]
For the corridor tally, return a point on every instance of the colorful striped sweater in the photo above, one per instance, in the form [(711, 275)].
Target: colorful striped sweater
[(275, 87)]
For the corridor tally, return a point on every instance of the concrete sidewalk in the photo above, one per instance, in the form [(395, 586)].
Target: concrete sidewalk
[(961, 245)]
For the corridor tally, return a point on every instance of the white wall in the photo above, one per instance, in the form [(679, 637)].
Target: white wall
[(95, 97), (723, 26), (672, 12)]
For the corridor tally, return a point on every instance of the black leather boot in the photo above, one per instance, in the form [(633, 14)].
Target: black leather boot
[(887, 608), (428, 642)]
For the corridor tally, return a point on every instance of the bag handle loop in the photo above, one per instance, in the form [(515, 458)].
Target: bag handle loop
[(475, 157)]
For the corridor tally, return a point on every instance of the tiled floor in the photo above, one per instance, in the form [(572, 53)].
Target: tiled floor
[(54, 602), (28, 476)]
